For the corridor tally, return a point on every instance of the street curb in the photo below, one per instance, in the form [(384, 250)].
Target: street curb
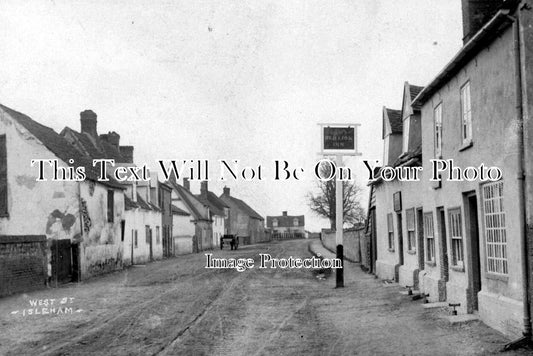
[(325, 271)]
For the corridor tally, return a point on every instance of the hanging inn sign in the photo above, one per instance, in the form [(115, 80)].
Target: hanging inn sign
[(339, 139)]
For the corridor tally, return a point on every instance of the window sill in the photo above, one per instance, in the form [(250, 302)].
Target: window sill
[(457, 268), (466, 145), (391, 250), (431, 263), (411, 252), (497, 277), (6, 215)]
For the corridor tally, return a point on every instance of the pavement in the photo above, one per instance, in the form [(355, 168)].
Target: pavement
[(179, 307)]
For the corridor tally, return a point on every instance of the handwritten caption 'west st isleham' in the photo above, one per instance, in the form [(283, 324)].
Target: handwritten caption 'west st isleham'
[(49, 306), (50, 169)]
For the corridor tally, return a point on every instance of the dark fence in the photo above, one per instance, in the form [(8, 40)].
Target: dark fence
[(288, 236)]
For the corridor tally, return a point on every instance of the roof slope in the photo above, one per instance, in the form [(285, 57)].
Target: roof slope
[(215, 204), (286, 220), (59, 146), (194, 205), (95, 147), (243, 207)]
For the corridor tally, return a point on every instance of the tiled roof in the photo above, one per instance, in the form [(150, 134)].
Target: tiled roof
[(215, 204), (286, 220), (414, 91), (190, 200), (395, 120), (244, 207), (178, 211), (142, 203), (95, 147), (59, 146), (129, 204)]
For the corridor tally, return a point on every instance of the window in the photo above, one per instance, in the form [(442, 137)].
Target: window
[(275, 222), (466, 114), (157, 238), (430, 237), (134, 238), (295, 221), (456, 234), (438, 130), (390, 227), (406, 134), (411, 238), (495, 232), (148, 234), (3, 176), (110, 205)]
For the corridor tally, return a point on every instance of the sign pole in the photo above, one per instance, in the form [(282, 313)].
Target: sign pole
[(339, 218)]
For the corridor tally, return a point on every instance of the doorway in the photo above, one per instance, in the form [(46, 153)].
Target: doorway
[(474, 267), (443, 246), (420, 238)]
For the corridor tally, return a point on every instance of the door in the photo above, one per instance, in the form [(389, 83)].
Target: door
[(149, 241), (420, 238), (443, 246), (474, 268), (373, 245), (400, 238), (75, 250), (61, 261)]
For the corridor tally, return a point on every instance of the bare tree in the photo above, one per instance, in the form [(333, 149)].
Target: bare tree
[(323, 202)]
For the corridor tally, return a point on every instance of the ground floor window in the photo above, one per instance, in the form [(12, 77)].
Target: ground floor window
[(157, 238), (456, 234), (495, 231), (390, 227), (411, 237), (134, 238), (429, 236)]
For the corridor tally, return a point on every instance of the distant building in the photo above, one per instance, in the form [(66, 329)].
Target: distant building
[(243, 220), (292, 224), (218, 211)]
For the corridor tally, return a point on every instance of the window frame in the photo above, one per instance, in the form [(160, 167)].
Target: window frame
[(466, 113), (429, 238), (390, 231), (437, 130), (500, 232), (411, 230), (456, 238)]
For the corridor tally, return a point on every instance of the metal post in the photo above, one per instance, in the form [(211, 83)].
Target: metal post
[(339, 272)]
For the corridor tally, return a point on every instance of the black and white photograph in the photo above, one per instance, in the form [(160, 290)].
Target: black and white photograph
[(266, 177)]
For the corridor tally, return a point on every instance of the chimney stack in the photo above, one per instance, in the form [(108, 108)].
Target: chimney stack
[(186, 184), (127, 153), (476, 13), (88, 123), (113, 138), (225, 191), (203, 188), (284, 213)]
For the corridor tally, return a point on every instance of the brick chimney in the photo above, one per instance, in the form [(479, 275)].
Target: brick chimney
[(476, 13), (88, 123), (225, 191), (284, 213), (112, 138), (127, 153), (186, 183), (203, 188)]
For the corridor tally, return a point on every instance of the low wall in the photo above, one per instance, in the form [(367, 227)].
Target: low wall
[(351, 242), (23, 264)]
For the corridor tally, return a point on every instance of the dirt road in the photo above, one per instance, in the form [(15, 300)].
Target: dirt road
[(177, 307)]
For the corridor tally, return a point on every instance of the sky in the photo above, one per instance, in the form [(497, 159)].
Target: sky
[(233, 80)]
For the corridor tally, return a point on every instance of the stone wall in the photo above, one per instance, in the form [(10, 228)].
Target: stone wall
[(351, 242)]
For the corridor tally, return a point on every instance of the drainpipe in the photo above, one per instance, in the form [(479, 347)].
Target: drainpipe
[(80, 244), (522, 203)]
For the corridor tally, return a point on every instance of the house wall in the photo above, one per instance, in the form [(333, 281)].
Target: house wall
[(54, 206), (101, 248), (493, 98), (183, 233), (218, 229), (388, 260), (138, 219)]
